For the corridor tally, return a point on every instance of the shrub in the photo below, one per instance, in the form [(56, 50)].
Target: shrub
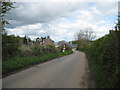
[(10, 46), (51, 48), (104, 59), (18, 62), (37, 50), (25, 51)]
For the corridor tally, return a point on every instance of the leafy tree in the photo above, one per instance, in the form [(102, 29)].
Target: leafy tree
[(75, 42), (84, 37), (104, 57), (25, 40), (29, 40), (5, 9), (10, 45)]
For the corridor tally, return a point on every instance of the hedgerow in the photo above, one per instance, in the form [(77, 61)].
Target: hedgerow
[(104, 59)]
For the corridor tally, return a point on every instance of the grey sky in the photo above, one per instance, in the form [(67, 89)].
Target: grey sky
[(61, 20)]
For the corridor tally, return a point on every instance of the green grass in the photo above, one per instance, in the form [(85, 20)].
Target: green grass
[(82, 50), (18, 63), (99, 75), (104, 60), (101, 80)]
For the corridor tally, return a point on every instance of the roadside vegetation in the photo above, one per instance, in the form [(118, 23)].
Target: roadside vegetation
[(104, 60), (104, 57), (17, 55), (103, 54)]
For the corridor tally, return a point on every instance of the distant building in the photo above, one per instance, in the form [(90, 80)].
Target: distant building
[(45, 40), (61, 43), (30, 44), (38, 40), (72, 45), (56, 44)]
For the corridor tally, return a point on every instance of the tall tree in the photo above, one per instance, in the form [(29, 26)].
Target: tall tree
[(25, 39), (5, 9), (84, 37)]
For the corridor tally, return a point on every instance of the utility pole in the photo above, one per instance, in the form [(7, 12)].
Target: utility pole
[(118, 25)]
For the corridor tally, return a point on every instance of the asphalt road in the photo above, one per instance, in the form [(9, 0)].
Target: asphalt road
[(70, 71)]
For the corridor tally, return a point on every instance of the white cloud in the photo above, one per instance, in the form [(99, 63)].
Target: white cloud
[(95, 10), (107, 8), (62, 20), (64, 1), (27, 29)]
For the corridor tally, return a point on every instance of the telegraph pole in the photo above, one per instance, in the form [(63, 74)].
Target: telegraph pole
[(118, 25)]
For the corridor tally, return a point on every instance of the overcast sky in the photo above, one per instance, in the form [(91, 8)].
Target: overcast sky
[(61, 20)]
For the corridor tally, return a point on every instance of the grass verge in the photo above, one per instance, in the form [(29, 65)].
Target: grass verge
[(18, 63), (98, 74), (100, 77)]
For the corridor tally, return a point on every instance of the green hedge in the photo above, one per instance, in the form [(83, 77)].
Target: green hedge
[(37, 50), (18, 62), (16, 55), (10, 46), (104, 59)]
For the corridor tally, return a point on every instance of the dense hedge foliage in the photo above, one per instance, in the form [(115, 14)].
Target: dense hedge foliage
[(37, 50), (17, 54), (17, 63), (15, 46), (104, 60), (10, 46)]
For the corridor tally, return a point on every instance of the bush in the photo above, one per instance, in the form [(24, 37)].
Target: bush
[(25, 51), (10, 46), (21, 62), (17, 55), (104, 59), (37, 50), (51, 48), (67, 48)]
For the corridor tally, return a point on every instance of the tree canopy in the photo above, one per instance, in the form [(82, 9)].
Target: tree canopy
[(5, 9)]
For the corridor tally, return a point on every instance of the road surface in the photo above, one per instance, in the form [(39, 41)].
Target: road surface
[(70, 71)]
